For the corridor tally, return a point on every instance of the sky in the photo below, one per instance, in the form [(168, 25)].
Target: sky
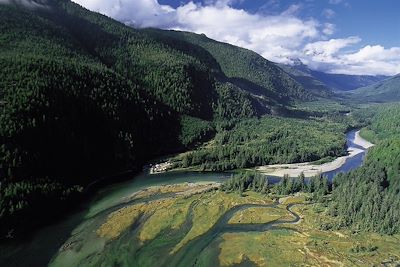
[(334, 36)]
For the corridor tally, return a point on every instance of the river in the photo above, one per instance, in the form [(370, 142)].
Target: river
[(45, 244)]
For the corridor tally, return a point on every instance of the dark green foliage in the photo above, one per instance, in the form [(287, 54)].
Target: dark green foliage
[(368, 199), (30, 199), (318, 185), (269, 140), (84, 96), (80, 116), (194, 131), (384, 122), (243, 181), (245, 68), (363, 249), (235, 104)]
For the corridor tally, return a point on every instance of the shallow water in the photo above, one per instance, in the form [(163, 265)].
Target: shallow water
[(353, 162), (77, 231)]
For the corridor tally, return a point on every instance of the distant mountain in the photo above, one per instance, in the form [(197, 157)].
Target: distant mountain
[(323, 83), (303, 75), (343, 82), (384, 91)]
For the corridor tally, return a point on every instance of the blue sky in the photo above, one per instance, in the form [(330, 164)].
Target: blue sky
[(336, 36), (375, 21)]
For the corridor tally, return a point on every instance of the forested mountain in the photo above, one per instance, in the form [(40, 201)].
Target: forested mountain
[(322, 83), (84, 96), (383, 91), (243, 68)]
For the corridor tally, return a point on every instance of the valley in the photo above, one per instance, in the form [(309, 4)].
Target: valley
[(139, 146)]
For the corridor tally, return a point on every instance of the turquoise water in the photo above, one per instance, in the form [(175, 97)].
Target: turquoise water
[(43, 245), (81, 247)]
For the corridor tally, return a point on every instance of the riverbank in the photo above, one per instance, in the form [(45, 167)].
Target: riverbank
[(358, 145), (358, 140)]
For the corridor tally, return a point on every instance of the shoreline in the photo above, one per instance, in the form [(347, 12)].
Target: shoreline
[(310, 170), (358, 140)]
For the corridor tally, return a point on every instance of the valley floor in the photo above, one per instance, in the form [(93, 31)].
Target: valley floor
[(199, 225), (310, 169)]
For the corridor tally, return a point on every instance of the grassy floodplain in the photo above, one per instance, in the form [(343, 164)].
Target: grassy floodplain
[(164, 223)]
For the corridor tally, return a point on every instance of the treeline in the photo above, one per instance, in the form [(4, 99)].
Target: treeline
[(244, 181), (318, 185), (269, 140), (383, 122), (368, 199)]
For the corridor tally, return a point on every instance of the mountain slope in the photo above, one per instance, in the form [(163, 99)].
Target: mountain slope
[(84, 96), (303, 75), (321, 83), (244, 68), (384, 91), (343, 82)]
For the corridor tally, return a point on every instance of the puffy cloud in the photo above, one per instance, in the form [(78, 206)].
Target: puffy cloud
[(335, 2), (141, 13), (327, 49), (279, 37), (369, 60)]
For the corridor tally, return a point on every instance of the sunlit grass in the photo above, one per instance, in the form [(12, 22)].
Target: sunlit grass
[(212, 206), (258, 215), (293, 245)]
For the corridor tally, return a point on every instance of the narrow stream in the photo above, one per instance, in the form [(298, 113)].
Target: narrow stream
[(79, 228)]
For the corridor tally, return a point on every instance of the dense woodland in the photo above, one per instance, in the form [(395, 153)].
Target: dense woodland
[(269, 140), (368, 198), (318, 186), (83, 97)]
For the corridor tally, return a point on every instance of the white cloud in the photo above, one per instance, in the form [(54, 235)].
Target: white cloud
[(292, 10), (369, 60), (280, 37), (329, 29), (328, 13), (329, 48)]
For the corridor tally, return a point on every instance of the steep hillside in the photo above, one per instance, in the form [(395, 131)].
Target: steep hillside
[(303, 75), (84, 96), (384, 91), (244, 68)]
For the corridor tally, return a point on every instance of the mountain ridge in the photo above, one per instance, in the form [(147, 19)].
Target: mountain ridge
[(387, 90), (325, 82)]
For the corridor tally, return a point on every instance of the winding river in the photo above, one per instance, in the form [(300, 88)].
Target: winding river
[(79, 228)]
